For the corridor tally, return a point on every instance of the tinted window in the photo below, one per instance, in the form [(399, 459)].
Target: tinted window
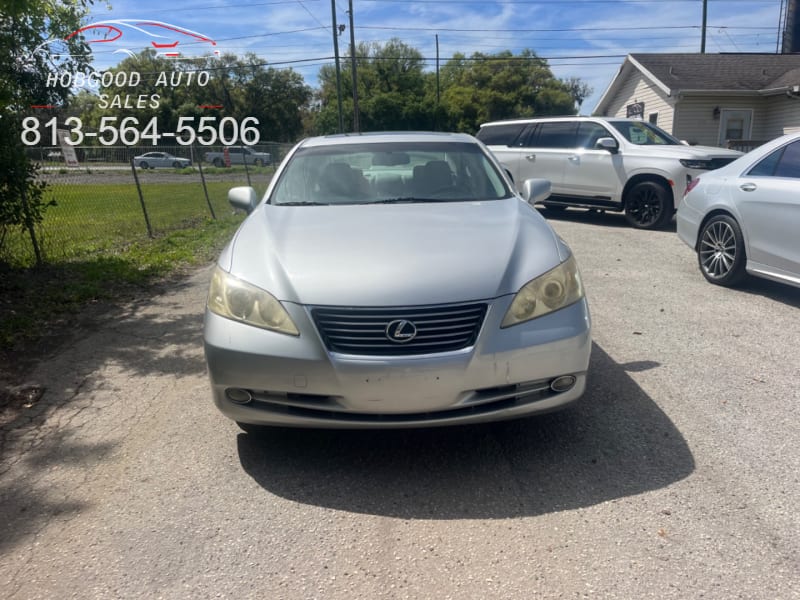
[(589, 133), (499, 135), (556, 135), (766, 167), (235, 150), (527, 136), (789, 165)]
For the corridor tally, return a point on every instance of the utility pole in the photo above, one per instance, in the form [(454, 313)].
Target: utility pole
[(705, 21), (436, 113), (338, 68), (356, 126)]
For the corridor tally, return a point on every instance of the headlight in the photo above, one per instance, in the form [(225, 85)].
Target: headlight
[(232, 298), (555, 289), (694, 163)]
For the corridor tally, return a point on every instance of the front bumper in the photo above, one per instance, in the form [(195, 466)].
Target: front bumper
[(296, 381)]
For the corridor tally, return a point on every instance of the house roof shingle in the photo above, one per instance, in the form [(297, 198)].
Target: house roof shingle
[(730, 72)]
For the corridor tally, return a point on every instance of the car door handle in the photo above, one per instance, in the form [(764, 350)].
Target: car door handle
[(531, 157), (574, 158), (748, 187)]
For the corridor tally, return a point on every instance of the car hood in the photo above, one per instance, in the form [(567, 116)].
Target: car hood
[(393, 255)]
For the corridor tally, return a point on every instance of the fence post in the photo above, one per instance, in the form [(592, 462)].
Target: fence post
[(246, 170), (141, 199), (29, 225), (205, 189)]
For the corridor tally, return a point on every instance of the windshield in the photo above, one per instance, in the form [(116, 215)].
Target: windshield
[(644, 134), (386, 172)]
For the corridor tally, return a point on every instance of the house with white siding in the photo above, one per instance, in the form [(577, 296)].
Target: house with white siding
[(736, 100)]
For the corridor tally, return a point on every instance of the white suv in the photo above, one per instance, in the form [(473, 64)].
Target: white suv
[(606, 164)]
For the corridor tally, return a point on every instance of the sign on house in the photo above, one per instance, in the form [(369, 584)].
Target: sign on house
[(635, 110)]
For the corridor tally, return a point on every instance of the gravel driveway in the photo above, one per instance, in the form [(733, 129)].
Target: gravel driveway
[(676, 476)]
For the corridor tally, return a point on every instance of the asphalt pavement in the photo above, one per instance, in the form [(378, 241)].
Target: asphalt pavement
[(676, 476)]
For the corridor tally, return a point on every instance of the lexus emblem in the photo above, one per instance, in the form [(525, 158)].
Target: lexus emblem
[(401, 331)]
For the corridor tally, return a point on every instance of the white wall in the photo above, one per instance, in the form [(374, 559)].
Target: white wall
[(637, 88), (695, 122), (783, 116)]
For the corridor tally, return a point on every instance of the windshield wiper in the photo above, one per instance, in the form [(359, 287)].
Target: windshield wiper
[(412, 200), (303, 203)]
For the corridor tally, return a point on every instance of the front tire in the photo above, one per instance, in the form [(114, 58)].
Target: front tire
[(258, 162), (143, 165), (218, 162), (720, 251), (176, 165), (648, 205)]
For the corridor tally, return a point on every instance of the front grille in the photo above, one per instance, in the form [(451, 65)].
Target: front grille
[(440, 328)]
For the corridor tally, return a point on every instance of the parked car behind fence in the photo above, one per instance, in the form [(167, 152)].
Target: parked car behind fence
[(238, 155)]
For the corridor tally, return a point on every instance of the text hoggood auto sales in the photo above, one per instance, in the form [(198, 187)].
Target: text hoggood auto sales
[(100, 79)]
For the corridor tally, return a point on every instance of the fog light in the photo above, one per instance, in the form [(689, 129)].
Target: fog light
[(563, 383), (239, 396)]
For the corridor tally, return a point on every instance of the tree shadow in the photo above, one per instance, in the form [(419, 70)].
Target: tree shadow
[(614, 442), (160, 335), (72, 298), (27, 505)]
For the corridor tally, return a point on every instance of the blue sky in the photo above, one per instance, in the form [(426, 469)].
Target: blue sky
[(580, 38)]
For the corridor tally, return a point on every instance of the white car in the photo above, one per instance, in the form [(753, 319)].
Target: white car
[(745, 218), (603, 163), (151, 160)]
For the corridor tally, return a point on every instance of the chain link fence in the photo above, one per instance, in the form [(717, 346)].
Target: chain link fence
[(117, 196)]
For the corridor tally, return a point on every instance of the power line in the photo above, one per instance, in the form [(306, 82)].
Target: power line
[(564, 29)]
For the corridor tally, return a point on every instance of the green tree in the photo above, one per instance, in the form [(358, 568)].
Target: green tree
[(32, 45), (396, 93), (391, 90), (241, 87), (488, 87)]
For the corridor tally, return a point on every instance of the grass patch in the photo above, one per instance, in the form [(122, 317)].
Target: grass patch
[(36, 301), (92, 218)]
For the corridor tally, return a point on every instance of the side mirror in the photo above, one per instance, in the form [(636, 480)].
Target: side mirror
[(243, 197), (536, 190), (607, 143)]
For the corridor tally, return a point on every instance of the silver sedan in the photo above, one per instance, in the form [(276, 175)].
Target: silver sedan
[(745, 217), (151, 160), (394, 280)]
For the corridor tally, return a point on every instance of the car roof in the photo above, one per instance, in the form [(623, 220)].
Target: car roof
[(556, 119), (386, 136)]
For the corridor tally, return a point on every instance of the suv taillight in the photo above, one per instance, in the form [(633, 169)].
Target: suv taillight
[(691, 184)]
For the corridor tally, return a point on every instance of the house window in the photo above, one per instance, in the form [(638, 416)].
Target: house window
[(653, 118), (734, 129), (735, 124)]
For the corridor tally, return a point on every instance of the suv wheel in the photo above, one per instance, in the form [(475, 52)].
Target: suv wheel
[(647, 205)]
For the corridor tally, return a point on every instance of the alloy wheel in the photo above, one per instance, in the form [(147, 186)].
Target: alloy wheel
[(718, 249), (645, 208)]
